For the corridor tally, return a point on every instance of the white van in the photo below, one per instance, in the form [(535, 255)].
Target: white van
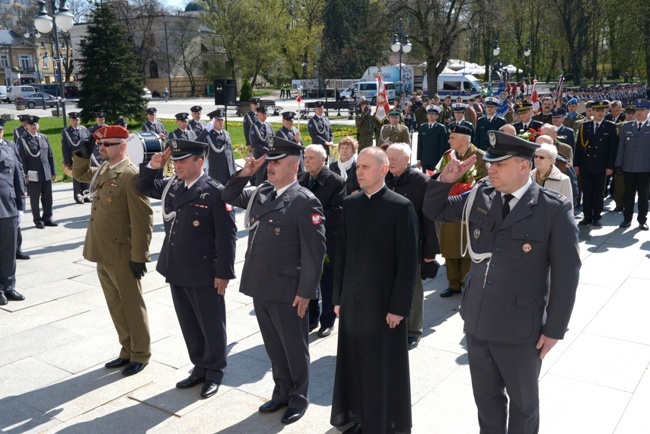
[(464, 85), (369, 90), (16, 91), (3, 93)]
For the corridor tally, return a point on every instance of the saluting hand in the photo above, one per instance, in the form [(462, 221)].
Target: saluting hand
[(252, 165), (301, 304), (455, 169), (159, 159), (220, 285)]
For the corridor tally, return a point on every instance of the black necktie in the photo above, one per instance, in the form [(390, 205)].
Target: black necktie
[(640, 125), (505, 209), (273, 196), (312, 181)]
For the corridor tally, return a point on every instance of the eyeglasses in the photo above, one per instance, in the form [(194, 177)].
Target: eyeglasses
[(539, 157), (108, 144)]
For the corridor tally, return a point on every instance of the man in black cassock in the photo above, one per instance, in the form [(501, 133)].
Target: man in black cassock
[(374, 276)]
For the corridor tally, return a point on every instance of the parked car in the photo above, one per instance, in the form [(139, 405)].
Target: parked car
[(3, 93), (16, 91), (35, 99), (147, 93)]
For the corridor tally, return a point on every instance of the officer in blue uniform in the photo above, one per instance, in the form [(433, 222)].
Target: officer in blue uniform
[(260, 136), (197, 257), (100, 121), (72, 138), (490, 122), (320, 129), (196, 124), (38, 164), (183, 131), (12, 205), (459, 117), (525, 111), (286, 247), (153, 125), (594, 160), (249, 119), (220, 159)]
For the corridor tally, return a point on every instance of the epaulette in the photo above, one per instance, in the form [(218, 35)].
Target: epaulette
[(215, 183)]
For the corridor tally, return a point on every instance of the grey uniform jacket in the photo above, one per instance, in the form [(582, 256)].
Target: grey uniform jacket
[(71, 140), (12, 187), (188, 134), (220, 154), (534, 250), (39, 158), (286, 249), (153, 127), (633, 153)]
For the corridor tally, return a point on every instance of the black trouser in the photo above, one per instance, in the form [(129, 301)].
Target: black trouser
[(324, 310), (8, 253), (19, 239), (79, 188), (201, 314), (42, 190), (593, 185), (636, 182)]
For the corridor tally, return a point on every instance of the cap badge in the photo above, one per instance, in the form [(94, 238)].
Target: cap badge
[(174, 144), (477, 233), (493, 139), (277, 231)]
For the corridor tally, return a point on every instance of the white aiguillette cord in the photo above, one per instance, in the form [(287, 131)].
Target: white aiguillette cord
[(91, 193)]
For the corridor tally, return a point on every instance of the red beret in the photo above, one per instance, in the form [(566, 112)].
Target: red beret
[(111, 132)]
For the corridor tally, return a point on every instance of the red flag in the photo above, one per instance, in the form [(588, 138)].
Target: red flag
[(382, 109), (299, 99), (534, 98)]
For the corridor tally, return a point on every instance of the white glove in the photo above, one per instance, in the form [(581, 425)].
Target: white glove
[(20, 215), (210, 126)]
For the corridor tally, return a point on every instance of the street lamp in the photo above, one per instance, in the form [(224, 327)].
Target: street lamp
[(495, 53), (37, 36), (526, 55), (399, 47), (55, 19)]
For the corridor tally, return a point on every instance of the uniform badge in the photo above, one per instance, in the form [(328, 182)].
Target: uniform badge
[(493, 138), (196, 223), (228, 207), (316, 219), (204, 195), (477, 233), (526, 248), (277, 231), (109, 200)]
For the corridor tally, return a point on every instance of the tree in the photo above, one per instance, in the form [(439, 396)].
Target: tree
[(110, 78), (186, 40), (436, 26)]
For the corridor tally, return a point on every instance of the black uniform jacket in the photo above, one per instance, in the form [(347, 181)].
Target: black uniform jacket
[(200, 241), (596, 152)]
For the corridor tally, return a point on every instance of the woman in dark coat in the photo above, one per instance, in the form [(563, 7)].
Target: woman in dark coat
[(346, 164)]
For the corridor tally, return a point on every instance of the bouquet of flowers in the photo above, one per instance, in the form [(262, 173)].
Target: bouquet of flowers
[(530, 135)]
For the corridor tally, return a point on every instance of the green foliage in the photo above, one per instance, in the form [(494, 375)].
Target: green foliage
[(246, 92), (109, 69)]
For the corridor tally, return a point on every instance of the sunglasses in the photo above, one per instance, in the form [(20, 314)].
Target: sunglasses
[(539, 157), (108, 144)]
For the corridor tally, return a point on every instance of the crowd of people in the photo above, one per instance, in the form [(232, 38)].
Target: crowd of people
[(349, 235)]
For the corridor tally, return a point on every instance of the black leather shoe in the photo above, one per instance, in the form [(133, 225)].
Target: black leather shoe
[(50, 223), (21, 255), (597, 224), (643, 226), (133, 368), (449, 292), (39, 225), (413, 343), (354, 429), (189, 382), (625, 225), (87, 200), (292, 415), (14, 295), (271, 406), (117, 363), (324, 332), (3, 299), (209, 389), (584, 222)]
